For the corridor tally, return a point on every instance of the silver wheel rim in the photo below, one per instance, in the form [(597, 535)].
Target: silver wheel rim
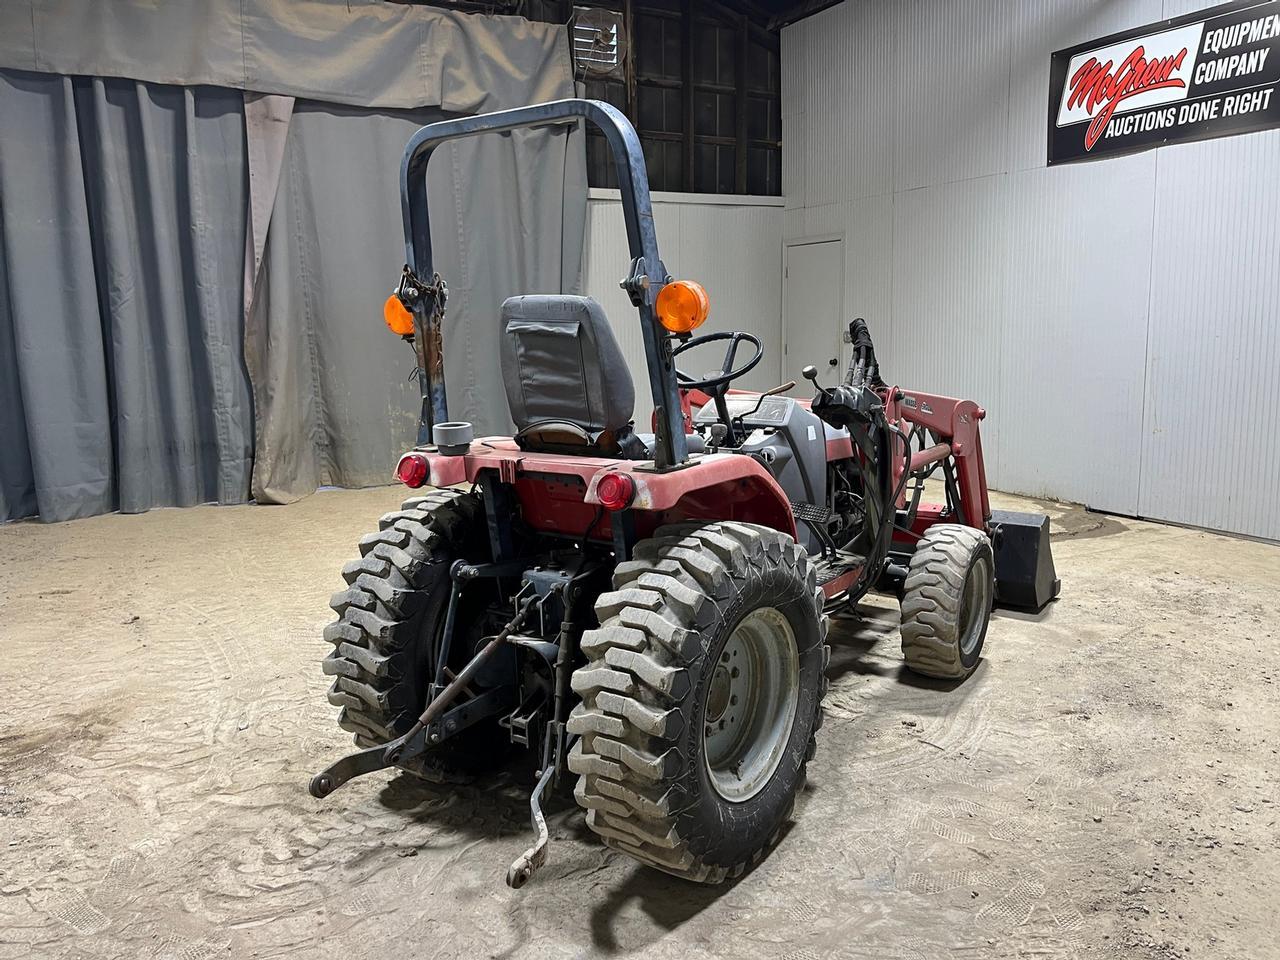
[(974, 604), (751, 705)]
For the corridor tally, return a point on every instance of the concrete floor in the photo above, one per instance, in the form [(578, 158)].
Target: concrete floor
[(1104, 785)]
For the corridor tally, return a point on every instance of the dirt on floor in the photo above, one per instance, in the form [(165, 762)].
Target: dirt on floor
[(1104, 785)]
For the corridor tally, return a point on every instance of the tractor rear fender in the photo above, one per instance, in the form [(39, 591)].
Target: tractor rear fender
[(720, 486)]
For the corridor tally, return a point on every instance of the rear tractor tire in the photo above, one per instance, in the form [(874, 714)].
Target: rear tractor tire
[(700, 698), (946, 601), (389, 617)]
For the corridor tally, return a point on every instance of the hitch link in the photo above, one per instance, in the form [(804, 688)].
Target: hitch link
[(533, 858), (536, 856), (413, 743)]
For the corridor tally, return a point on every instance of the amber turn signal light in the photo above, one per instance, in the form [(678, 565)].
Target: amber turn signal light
[(399, 319), (683, 306)]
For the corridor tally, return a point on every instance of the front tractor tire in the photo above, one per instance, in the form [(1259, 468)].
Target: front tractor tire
[(947, 600), (389, 617), (701, 696)]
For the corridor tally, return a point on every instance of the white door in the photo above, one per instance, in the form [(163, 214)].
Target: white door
[(813, 294)]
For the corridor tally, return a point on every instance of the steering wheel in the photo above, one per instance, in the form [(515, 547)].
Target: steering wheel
[(727, 370)]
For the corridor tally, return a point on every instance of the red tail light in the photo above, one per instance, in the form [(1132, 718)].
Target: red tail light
[(615, 491), (413, 470)]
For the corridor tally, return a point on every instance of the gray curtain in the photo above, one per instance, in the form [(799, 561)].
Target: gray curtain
[(122, 383), (162, 345), (366, 53), (333, 398)]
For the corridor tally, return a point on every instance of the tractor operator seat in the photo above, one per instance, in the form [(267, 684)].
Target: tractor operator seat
[(568, 387)]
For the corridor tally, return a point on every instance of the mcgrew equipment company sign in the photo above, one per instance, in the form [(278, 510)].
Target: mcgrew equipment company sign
[(1210, 74)]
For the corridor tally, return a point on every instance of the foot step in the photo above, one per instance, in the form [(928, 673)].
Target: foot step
[(810, 512)]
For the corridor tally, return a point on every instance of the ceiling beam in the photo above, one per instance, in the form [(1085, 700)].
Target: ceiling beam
[(726, 12)]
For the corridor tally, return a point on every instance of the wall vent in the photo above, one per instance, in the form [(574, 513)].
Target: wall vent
[(599, 43)]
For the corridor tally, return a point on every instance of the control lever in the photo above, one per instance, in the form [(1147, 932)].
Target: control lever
[(845, 403), (780, 388), (810, 373)]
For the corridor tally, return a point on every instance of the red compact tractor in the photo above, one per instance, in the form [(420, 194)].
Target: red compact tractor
[(647, 611)]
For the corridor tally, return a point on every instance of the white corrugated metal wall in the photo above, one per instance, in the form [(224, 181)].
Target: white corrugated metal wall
[(1118, 318), (731, 245)]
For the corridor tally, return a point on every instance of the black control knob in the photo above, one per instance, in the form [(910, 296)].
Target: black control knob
[(810, 373)]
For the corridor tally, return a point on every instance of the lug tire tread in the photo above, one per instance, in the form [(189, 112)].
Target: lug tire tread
[(386, 587), (933, 595), (631, 753)]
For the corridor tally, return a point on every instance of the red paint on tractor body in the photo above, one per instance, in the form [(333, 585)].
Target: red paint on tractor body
[(955, 422), (841, 583), (839, 448), (558, 492)]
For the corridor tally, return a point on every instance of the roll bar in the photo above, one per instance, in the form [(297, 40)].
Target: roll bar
[(647, 273)]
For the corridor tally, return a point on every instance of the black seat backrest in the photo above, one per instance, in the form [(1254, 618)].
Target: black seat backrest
[(567, 383)]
